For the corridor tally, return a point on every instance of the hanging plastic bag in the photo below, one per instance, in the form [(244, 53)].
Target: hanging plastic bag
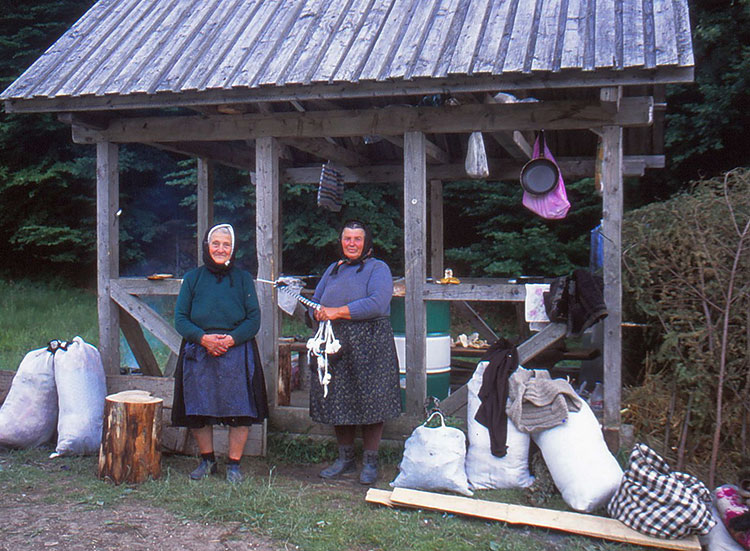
[(289, 289), (476, 157), (81, 390), (553, 205), (434, 459), (29, 413)]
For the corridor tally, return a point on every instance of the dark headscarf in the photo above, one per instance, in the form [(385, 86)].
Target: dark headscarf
[(366, 250), (219, 270)]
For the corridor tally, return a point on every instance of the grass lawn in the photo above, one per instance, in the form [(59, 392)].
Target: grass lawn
[(32, 314), (284, 501)]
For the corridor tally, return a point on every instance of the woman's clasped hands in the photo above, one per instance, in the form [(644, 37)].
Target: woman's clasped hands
[(217, 345)]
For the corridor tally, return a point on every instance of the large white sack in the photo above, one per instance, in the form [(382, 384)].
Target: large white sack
[(581, 465), (29, 413), (81, 389), (434, 459), (484, 470)]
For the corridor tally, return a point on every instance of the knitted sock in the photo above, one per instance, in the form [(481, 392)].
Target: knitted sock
[(209, 456)]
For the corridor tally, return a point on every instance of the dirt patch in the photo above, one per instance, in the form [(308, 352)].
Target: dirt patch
[(29, 524), (30, 521)]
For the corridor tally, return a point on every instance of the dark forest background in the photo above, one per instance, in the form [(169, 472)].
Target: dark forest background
[(47, 183)]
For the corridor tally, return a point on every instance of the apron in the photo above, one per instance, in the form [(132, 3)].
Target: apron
[(218, 386)]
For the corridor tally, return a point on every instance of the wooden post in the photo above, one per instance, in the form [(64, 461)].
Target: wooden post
[(415, 242), (612, 232), (436, 229), (204, 203), (268, 244), (141, 350), (108, 252), (131, 437)]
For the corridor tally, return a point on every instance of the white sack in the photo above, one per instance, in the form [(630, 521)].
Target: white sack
[(81, 389), (434, 460), (719, 538), (476, 157), (29, 413), (484, 470), (581, 465)]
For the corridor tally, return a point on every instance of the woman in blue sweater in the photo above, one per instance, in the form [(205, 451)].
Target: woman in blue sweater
[(219, 378), (355, 294)]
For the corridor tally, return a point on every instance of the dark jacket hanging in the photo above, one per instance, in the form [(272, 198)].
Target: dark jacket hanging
[(503, 360)]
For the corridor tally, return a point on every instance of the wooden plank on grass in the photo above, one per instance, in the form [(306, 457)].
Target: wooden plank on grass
[(575, 523), (379, 497)]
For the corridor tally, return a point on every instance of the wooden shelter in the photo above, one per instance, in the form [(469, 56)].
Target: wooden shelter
[(279, 87)]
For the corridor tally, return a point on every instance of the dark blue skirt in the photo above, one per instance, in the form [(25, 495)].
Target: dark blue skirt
[(228, 389), (364, 386)]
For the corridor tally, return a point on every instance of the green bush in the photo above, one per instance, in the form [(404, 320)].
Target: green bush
[(687, 276)]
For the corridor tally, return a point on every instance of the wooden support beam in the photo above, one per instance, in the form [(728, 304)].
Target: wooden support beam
[(225, 153), (612, 207), (142, 286), (389, 121), (476, 289), (415, 241), (146, 316), (465, 310), (566, 521), (526, 350), (512, 141), (436, 229), (572, 168), (432, 150), (204, 203), (268, 246), (108, 252), (328, 151), (138, 344)]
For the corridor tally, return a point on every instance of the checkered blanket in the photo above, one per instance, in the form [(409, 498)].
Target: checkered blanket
[(655, 501)]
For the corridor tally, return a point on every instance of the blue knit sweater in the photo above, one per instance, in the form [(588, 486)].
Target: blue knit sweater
[(367, 293)]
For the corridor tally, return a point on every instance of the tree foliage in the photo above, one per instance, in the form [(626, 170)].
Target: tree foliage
[(489, 233), (687, 276), (707, 120)]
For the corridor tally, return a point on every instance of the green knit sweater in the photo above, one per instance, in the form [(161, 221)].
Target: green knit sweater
[(206, 305)]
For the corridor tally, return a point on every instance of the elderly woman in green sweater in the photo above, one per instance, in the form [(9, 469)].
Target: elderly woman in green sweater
[(219, 378)]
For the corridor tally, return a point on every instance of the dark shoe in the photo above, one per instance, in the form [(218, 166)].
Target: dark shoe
[(234, 475), (369, 473), (343, 465), (204, 469)]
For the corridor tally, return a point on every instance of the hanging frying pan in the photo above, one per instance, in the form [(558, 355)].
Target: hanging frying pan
[(540, 175)]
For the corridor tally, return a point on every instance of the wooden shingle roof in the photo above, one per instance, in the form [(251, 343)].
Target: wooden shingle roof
[(145, 53)]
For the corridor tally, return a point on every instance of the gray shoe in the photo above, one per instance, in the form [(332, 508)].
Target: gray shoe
[(369, 473), (234, 475), (343, 465), (203, 470)]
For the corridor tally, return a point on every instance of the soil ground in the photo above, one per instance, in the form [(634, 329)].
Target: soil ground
[(29, 522)]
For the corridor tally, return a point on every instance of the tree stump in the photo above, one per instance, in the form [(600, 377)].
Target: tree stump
[(131, 437)]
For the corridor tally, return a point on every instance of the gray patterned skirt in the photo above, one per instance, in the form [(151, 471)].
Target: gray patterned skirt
[(364, 387)]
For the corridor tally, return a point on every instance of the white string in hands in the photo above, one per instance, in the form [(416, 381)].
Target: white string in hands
[(320, 346)]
